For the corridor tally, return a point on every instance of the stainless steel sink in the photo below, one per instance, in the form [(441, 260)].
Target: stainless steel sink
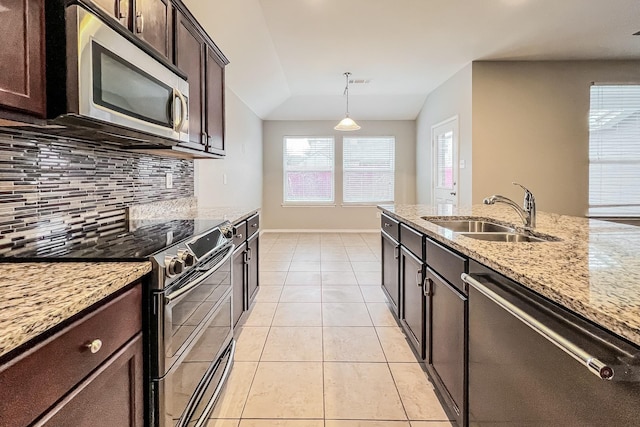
[(471, 226), (507, 237)]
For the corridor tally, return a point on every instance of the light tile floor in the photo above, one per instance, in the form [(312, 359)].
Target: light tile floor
[(319, 347)]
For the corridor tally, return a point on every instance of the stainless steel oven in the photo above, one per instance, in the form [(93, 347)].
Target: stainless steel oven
[(192, 336)]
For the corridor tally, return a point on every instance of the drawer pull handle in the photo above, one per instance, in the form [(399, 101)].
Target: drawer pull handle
[(94, 346), (239, 236), (254, 225), (387, 225)]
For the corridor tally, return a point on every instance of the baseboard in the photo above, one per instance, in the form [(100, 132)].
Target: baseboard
[(289, 230)]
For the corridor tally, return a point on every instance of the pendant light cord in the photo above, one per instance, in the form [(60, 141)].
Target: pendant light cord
[(346, 90)]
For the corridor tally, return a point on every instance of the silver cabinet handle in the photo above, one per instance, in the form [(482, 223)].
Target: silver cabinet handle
[(396, 252), (254, 225), (418, 279), (139, 23), (94, 346), (239, 235), (387, 225), (595, 366)]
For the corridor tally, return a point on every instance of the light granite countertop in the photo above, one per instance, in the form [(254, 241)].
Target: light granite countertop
[(188, 208), (35, 297), (593, 271)]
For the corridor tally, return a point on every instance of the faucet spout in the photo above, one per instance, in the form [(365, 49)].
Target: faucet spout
[(527, 213)]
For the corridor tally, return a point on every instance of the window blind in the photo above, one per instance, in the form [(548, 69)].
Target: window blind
[(614, 150), (368, 169), (308, 170)]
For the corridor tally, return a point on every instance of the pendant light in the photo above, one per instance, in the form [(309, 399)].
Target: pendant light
[(347, 124)]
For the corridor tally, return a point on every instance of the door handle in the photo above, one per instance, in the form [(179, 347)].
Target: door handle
[(453, 193), (396, 252), (418, 277), (179, 124)]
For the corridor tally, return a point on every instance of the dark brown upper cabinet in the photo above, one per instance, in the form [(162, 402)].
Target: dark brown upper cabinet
[(22, 57), (198, 56), (147, 19)]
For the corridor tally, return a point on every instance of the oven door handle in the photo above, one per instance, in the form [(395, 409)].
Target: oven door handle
[(169, 299)]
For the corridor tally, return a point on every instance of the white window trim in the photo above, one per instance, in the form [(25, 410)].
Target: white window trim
[(302, 204), (395, 158)]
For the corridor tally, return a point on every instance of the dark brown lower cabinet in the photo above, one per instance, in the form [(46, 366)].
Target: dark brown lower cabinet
[(391, 271), (238, 278), (412, 271), (111, 396), (447, 331), (253, 247)]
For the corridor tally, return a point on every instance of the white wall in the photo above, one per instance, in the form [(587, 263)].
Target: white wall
[(275, 216), (242, 163), (530, 125), (450, 99)]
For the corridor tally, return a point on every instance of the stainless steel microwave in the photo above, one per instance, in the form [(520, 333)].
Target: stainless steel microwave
[(104, 86)]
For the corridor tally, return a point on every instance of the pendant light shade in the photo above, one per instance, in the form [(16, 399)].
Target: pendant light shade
[(347, 124)]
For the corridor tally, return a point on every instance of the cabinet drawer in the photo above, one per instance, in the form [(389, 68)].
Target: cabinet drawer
[(253, 225), (35, 380), (239, 233), (390, 226), (447, 263), (412, 240)]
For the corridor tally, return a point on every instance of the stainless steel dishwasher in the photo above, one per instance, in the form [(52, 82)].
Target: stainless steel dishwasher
[(532, 363)]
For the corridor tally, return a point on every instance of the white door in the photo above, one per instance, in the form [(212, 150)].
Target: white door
[(444, 140)]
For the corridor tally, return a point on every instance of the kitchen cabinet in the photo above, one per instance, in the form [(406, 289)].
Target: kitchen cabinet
[(22, 57), (446, 325), (238, 279), (89, 373), (203, 62), (253, 246), (147, 19), (391, 271), (446, 360), (245, 265), (389, 232), (412, 271)]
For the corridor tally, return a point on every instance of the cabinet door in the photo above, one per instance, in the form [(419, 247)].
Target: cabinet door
[(238, 274), (110, 396), (411, 276), (190, 59), (150, 23), (119, 9), (22, 56), (215, 104), (252, 266), (448, 310), (391, 271)]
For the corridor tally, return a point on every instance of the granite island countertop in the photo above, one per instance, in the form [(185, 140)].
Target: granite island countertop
[(593, 271), (35, 297)]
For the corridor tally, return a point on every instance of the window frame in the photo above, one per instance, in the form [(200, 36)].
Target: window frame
[(603, 210), (344, 170), (302, 203)]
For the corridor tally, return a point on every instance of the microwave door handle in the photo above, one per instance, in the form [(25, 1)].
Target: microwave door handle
[(177, 95)]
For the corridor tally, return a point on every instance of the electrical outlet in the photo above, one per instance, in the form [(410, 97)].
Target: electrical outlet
[(224, 179), (168, 181)]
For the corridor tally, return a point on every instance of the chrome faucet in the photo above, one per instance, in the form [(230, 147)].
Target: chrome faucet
[(527, 212)]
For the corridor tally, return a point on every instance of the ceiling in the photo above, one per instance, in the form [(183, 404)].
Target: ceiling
[(288, 56)]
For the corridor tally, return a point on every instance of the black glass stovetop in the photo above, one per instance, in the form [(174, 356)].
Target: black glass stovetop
[(135, 240)]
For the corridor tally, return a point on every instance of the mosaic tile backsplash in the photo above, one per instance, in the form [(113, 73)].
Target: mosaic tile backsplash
[(54, 188)]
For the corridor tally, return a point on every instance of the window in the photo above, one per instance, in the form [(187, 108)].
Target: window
[(614, 151), (369, 167), (308, 170)]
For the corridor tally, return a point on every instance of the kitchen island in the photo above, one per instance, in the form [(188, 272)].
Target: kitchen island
[(594, 270)]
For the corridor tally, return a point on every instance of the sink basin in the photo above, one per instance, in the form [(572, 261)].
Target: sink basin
[(507, 237), (471, 226)]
